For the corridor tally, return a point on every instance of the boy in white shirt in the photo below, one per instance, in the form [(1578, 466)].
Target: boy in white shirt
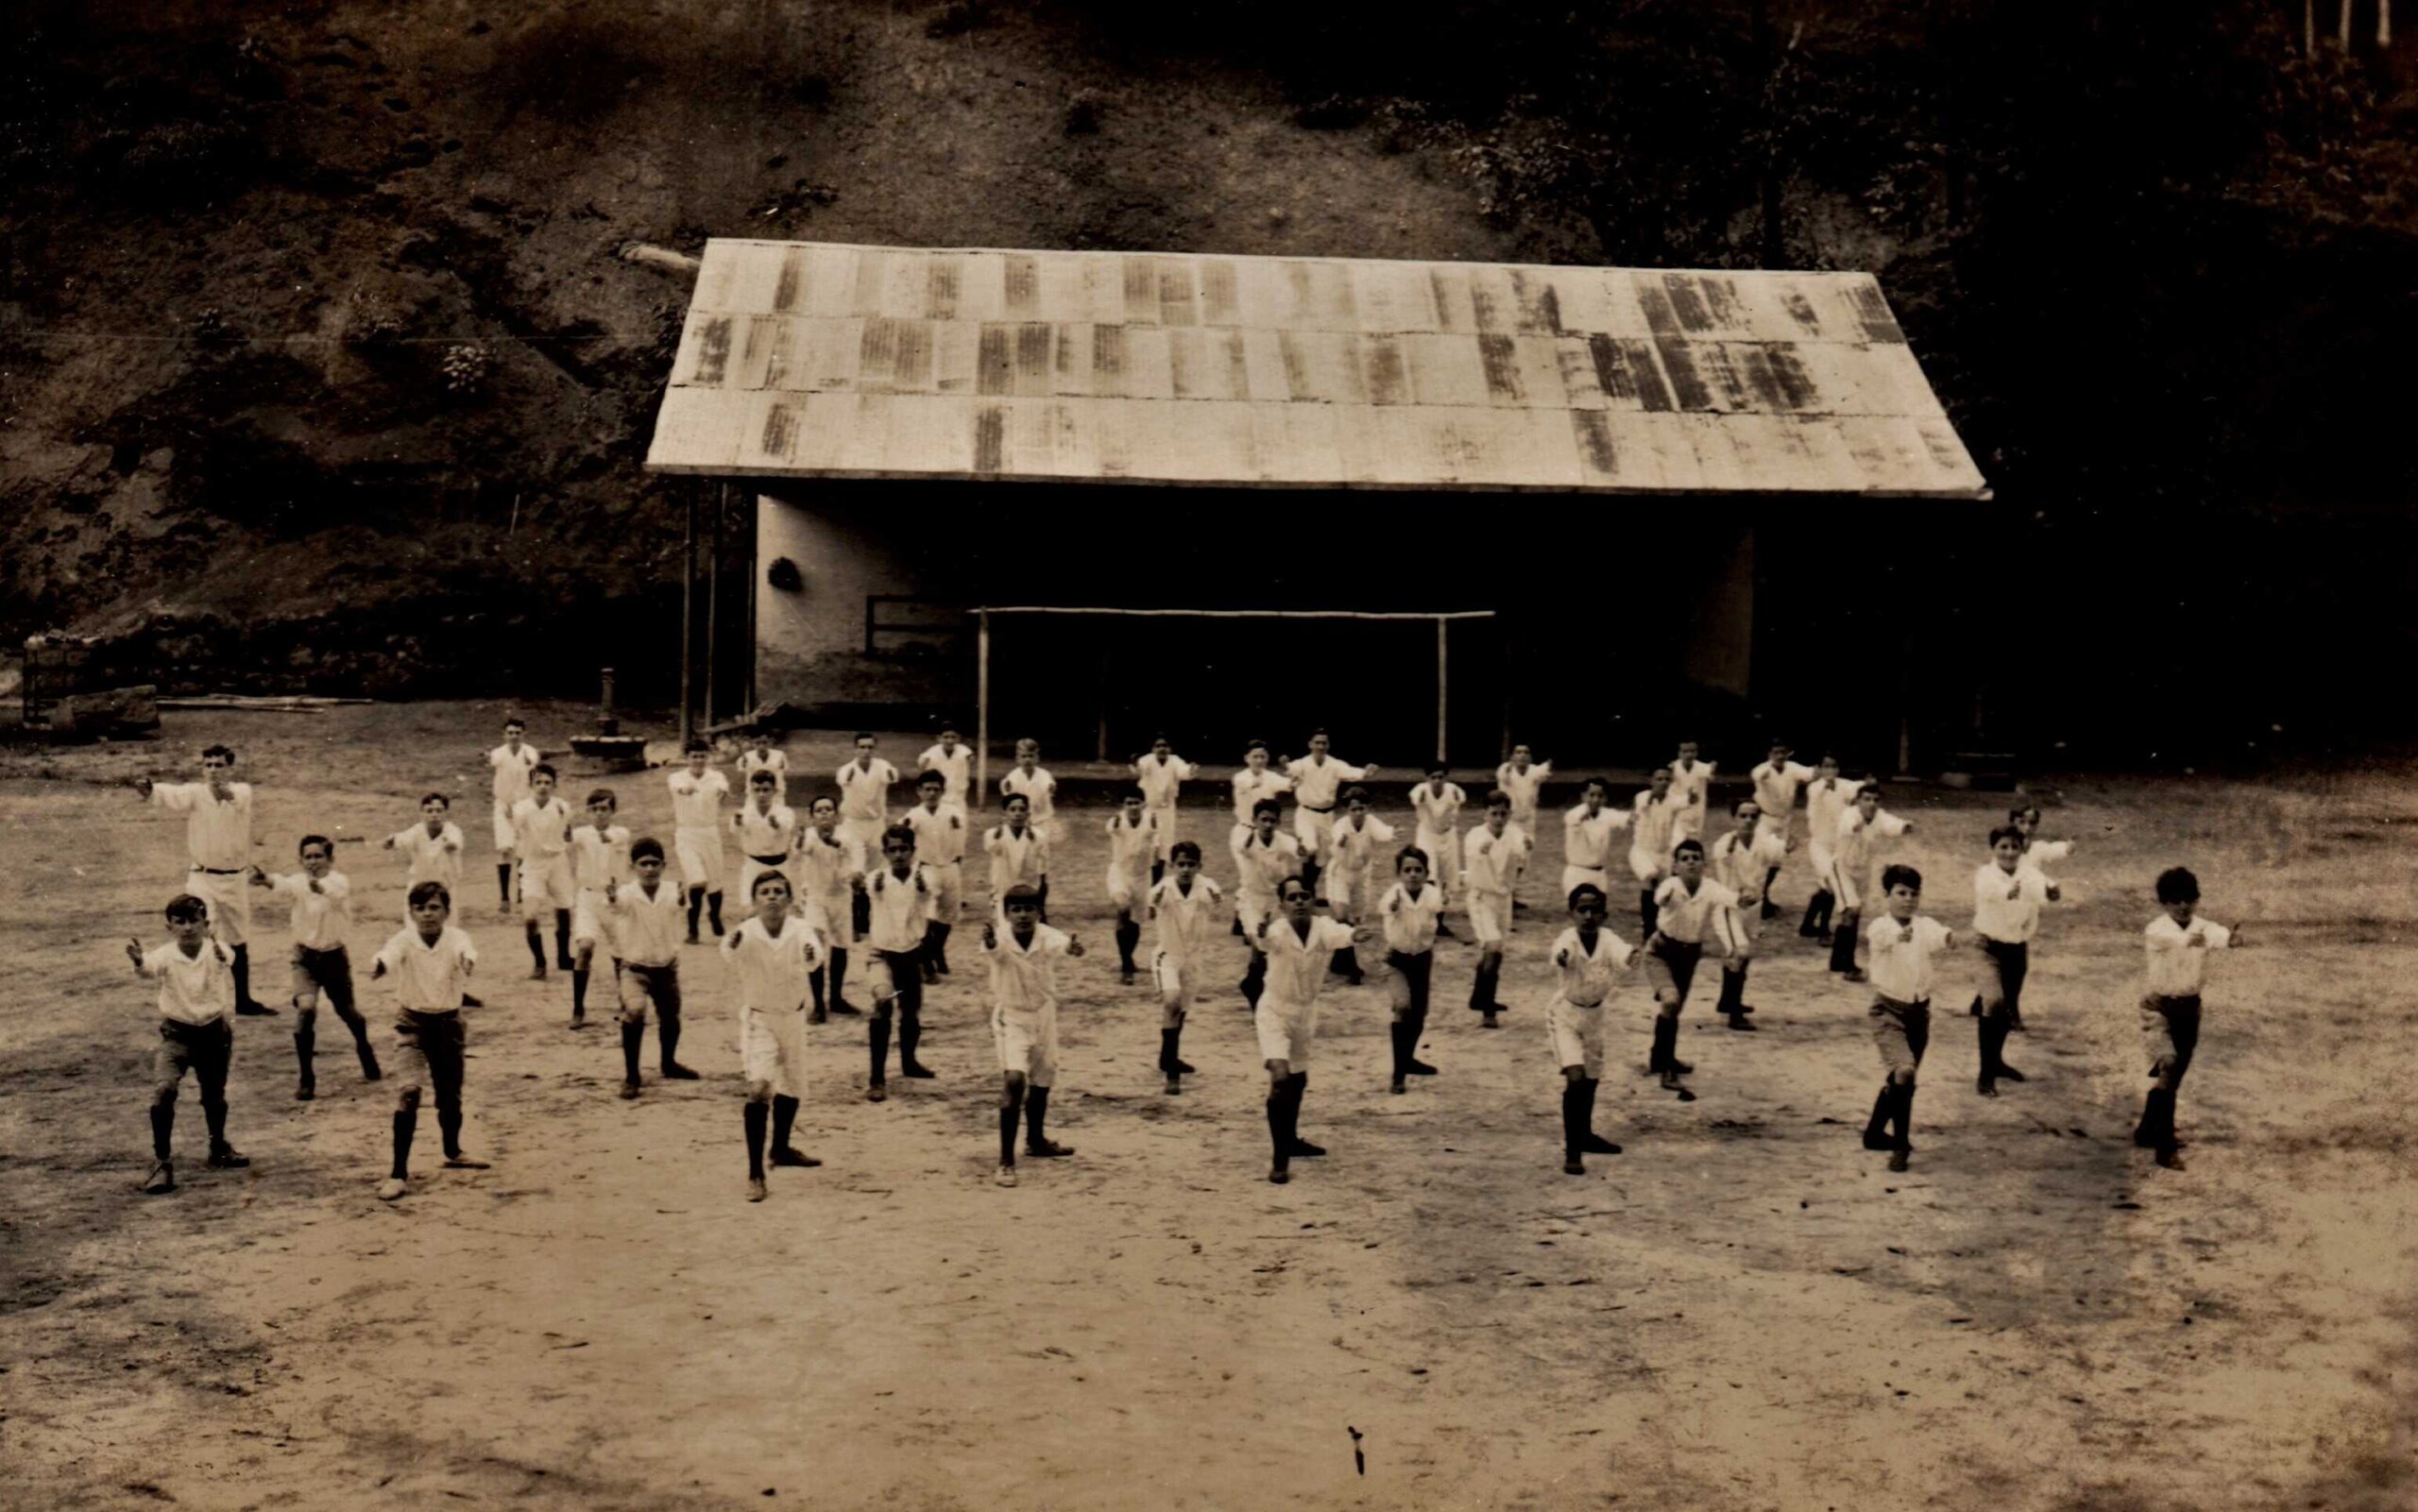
[(1161, 775), (1690, 781), (1297, 950), (1186, 906), (196, 978), (1589, 957), (831, 873), (954, 760), (1254, 782), (513, 761), (1851, 870), (1587, 839), (864, 796), (322, 915), (1263, 858), (771, 957), (1523, 778), (2039, 855), (431, 961), (1827, 798), (1654, 818), (219, 839), (1019, 852), (1691, 912), (761, 756), (646, 929), (1024, 1023), (2007, 898), (767, 831), (939, 825), (1132, 849), (1744, 861), (1410, 913), (1029, 779), (697, 792), (898, 912), (541, 841), (432, 848), (1357, 851), (1777, 781), (1489, 858), (1901, 948), (600, 861), (1317, 779), (1438, 804), (2178, 943)]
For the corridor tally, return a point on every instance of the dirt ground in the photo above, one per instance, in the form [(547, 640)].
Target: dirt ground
[(1744, 1310)]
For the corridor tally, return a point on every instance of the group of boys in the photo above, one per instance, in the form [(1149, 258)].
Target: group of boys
[(815, 890)]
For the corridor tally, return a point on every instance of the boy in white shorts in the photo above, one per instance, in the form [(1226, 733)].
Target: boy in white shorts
[(1132, 849), (1744, 861), (831, 873), (1263, 858), (1589, 957), (1437, 803), (1317, 779), (541, 841), (1186, 906), (432, 848), (1357, 851), (767, 831), (1691, 780), (697, 792), (1523, 778), (322, 917), (954, 760), (1851, 870), (1161, 775), (1777, 781), (761, 756), (1827, 798), (1028, 780), (600, 861), (513, 761), (1408, 913), (219, 839), (1654, 817), (1587, 834), (431, 961), (1489, 859), (645, 914), (939, 825), (864, 796), (1254, 781), (771, 957), (1024, 1023), (1297, 950), (1019, 853), (195, 974)]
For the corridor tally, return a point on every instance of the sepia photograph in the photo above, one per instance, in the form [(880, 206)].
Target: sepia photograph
[(965, 755)]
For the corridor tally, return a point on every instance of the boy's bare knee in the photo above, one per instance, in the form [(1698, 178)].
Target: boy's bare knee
[(1012, 1090), (407, 1099), (1901, 1077), (163, 1092), (306, 1015), (760, 1092), (1666, 1005)]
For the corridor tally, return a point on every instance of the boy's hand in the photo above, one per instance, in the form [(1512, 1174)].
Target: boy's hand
[(388, 844), (1074, 946), (377, 969), (1362, 934), (257, 877), (134, 953), (1906, 933), (141, 785), (990, 937), (2014, 893)]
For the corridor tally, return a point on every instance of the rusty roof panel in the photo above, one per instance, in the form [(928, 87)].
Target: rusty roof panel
[(809, 357)]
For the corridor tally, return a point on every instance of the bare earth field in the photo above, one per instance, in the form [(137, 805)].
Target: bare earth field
[(1744, 1311)]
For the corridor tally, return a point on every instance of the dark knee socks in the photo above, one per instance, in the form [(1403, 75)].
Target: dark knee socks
[(713, 911), (537, 944), (562, 937), (449, 1130), (1843, 944), (406, 1125), (1817, 913), (1285, 1115), (214, 1117), (667, 1037), (357, 1027), (579, 991), (755, 1114), (814, 982), (503, 883), (1169, 1056), (838, 969), (1482, 988), (1255, 978), (937, 946), (1036, 1113), (633, 1042), (1129, 934), (306, 1042), (1884, 1106), (1011, 1114), (1575, 1120), (1903, 1113), (784, 1119), (1647, 912), (696, 906), (879, 1038), (1666, 1055), (163, 1127), (911, 1034)]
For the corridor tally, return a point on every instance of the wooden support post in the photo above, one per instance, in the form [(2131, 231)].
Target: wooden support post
[(1443, 704), (713, 602), (687, 617), (979, 799), (1105, 684), (754, 575)]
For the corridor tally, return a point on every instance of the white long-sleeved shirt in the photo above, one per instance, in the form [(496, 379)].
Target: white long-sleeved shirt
[(828, 865), (1351, 849), (1016, 860), (429, 977), (1316, 782), (696, 801), (1689, 785), (1710, 915), (1587, 978), (954, 766), (1133, 847), (219, 833), (1250, 787), (1651, 824), (1160, 781), (1297, 966), (1776, 787), (1900, 957), (1852, 847), (1438, 812), (1824, 803), (600, 857), (1038, 788), (1743, 864), (1523, 788), (901, 907), (322, 914), (1261, 867), (540, 832), (2006, 905), (648, 929), (940, 833), (864, 791), (766, 833), (197, 989), (2178, 954), (512, 769), (776, 762), (1188, 922), (431, 858), (771, 974), (1587, 839), (1488, 858), (1024, 976), (1410, 922)]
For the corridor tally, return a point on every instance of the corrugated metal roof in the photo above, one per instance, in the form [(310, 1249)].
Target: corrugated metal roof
[(815, 360)]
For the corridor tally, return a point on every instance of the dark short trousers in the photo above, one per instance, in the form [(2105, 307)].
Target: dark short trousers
[(440, 1039), (1672, 964), (2170, 1033), (642, 985), (2008, 965), (330, 971), (1901, 1031), (203, 1049), (1415, 972)]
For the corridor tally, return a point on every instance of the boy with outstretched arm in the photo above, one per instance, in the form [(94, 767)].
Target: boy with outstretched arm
[(1357, 848), (831, 872), (1587, 834), (2178, 941), (1187, 907), (2007, 898), (513, 761), (1777, 781), (1438, 802), (1132, 851), (321, 918), (1690, 912), (1029, 780), (1523, 777), (953, 760), (1263, 858), (1024, 1023), (772, 955), (761, 756), (1744, 861), (432, 848), (1901, 948), (864, 783), (2039, 855), (218, 839), (1317, 779), (1019, 853), (1861, 824), (1409, 913), (1827, 798), (697, 792), (542, 839), (767, 831), (1489, 861), (196, 978), (899, 908), (939, 825), (646, 926), (1161, 775), (1654, 816), (431, 961), (1253, 783), (1298, 949), (1691, 782), (1589, 957), (600, 861)]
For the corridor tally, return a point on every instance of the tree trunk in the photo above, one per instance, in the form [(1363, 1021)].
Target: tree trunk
[(2384, 24), (2342, 25), (2309, 28)]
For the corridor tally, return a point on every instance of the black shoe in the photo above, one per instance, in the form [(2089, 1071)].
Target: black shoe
[(1573, 1165), (2008, 1073), (2169, 1159), (791, 1155), (1183, 1068), (1598, 1145), (850, 1009), (1874, 1140), (1671, 1084), (1303, 1150), (225, 1157), (252, 1010), (1418, 1068), (1682, 1067), (1738, 1021), (1049, 1149), (1986, 1086), (1898, 1159), (675, 1071), (1397, 1086), (917, 1070)]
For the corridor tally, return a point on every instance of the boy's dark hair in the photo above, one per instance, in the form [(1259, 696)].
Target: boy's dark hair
[(645, 846), (1249, 746), (1161, 738), (1869, 785), (1686, 845), (1007, 799), (597, 795), (819, 800), (1830, 756), (1585, 889), (2005, 832), (923, 777), (426, 891), (436, 798), (1897, 872), (1355, 795), (1658, 772), (1744, 803), (696, 744), (860, 734), (898, 832), (1291, 879), (1321, 730), (185, 906), (762, 777), (511, 719), (1024, 892), (1410, 852), (1266, 806), (2177, 885), (1497, 798), (1183, 848), (1439, 770), (1604, 783), (1132, 795), (320, 840), (543, 769), (770, 874), (2020, 810), (227, 751)]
